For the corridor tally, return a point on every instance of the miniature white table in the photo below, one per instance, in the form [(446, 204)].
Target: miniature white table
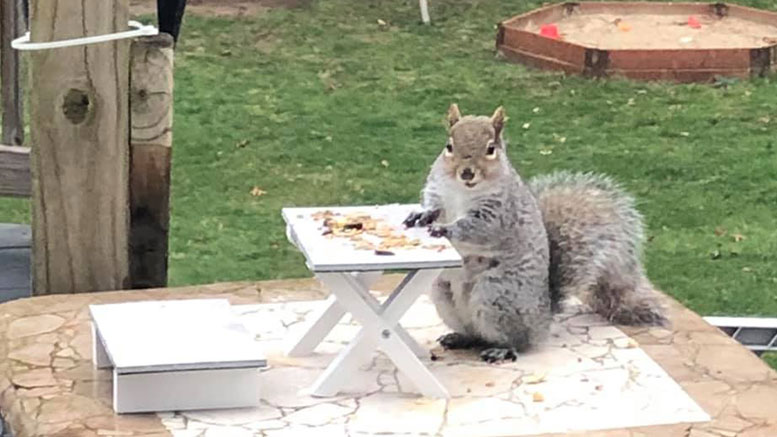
[(176, 355), (348, 273)]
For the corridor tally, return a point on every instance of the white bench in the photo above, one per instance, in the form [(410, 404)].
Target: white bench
[(176, 355)]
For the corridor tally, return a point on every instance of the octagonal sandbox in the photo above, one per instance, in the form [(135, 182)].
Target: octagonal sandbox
[(684, 42)]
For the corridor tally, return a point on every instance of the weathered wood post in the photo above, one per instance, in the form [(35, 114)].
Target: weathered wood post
[(12, 114), (151, 138), (79, 127)]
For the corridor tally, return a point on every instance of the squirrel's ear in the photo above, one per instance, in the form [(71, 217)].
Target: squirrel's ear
[(453, 115), (498, 120)]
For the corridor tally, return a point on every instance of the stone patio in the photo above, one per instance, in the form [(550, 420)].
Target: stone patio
[(589, 376)]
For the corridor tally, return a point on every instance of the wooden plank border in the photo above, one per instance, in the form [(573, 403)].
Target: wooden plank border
[(15, 180)]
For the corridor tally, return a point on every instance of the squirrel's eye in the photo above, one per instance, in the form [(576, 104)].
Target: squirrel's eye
[(449, 149), (491, 150)]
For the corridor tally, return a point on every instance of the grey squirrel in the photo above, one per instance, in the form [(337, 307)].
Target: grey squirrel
[(527, 247)]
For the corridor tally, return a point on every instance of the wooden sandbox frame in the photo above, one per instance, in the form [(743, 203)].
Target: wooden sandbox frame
[(681, 65)]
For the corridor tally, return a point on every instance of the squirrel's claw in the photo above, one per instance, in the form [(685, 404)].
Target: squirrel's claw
[(497, 354)]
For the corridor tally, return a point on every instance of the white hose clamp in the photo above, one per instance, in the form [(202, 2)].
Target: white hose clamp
[(23, 43)]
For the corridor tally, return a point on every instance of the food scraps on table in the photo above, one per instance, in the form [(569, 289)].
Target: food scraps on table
[(369, 233)]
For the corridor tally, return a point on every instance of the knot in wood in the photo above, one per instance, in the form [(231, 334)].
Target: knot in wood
[(139, 100), (76, 106)]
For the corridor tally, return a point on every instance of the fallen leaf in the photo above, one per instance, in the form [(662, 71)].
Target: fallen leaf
[(535, 110), (526, 125), (381, 22), (537, 397), (738, 237), (256, 192), (720, 231), (384, 163)]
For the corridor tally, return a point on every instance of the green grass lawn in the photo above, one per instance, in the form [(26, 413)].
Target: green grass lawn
[(325, 106)]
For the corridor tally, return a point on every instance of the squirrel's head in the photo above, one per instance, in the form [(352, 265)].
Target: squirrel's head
[(474, 151)]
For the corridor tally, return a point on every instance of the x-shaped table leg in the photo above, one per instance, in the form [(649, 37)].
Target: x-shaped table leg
[(379, 329), (325, 320)]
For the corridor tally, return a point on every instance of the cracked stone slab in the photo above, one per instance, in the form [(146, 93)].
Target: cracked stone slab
[(599, 380), (588, 376)]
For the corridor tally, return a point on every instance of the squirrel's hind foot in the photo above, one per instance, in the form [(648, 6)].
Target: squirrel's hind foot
[(497, 354), (455, 340)]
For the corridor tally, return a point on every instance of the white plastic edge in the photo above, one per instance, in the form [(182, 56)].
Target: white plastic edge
[(23, 43)]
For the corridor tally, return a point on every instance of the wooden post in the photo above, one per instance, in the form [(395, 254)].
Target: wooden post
[(79, 126), (151, 138), (10, 22)]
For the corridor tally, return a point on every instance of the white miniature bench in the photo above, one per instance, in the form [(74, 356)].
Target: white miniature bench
[(348, 273), (176, 355)]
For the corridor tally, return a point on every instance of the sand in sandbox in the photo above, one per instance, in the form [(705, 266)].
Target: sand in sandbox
[(661, 31)]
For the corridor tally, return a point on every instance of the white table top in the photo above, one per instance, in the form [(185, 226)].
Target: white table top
[(160, 336), (339, 254)]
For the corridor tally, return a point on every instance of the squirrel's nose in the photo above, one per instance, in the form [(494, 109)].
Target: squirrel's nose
[(467, 174)]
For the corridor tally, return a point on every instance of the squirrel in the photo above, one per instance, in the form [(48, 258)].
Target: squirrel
[(526, 247)]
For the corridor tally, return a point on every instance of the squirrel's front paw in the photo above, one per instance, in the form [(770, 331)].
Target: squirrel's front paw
[(428, 217), (439, 231), (412, 219), (421, 219)]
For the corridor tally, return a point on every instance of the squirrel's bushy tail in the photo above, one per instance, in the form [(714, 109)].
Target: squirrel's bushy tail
[(629, 305), (595, 234)]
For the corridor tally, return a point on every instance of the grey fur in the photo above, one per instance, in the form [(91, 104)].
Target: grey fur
[(515, 273), (596, 234), (501, 293)]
